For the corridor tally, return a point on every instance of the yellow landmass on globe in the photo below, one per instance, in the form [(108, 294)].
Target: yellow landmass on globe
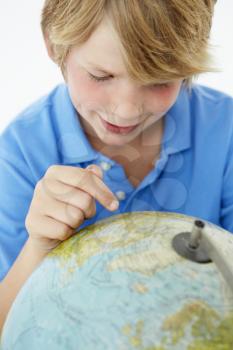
[(208, 328), (140, 288), (145, 262), (197, 313), (101, 238), (134, 333)]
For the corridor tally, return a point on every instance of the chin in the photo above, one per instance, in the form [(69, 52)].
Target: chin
[(116, 139), (113, 141)]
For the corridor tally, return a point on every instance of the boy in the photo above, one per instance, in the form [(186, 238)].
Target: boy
[(126, 132)]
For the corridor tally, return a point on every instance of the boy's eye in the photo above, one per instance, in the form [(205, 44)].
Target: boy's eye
[(98, 79), (152, 86), (159, 86)]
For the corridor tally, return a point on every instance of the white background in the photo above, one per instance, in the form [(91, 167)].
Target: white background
[(27, 73)]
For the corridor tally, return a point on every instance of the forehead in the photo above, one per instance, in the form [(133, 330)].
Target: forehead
[(102, 50)]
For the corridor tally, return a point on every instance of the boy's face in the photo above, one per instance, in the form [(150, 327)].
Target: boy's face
[(117, 100)]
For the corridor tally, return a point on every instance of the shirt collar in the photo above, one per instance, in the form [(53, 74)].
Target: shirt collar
[(177, 132), (73, 143)]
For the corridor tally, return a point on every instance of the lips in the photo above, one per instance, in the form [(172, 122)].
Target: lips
[(118, 129)]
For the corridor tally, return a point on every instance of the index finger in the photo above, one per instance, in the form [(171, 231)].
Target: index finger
[(95, 186), (89, 182)]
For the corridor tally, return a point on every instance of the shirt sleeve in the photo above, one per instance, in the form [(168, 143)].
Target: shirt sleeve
[(16, 188), (226, 215)]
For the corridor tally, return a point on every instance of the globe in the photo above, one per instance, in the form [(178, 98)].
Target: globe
[(119, 284)]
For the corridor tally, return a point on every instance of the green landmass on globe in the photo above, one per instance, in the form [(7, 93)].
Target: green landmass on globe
[(118, 284)]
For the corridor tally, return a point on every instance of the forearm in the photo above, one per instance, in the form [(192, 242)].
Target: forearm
[(27, 261)]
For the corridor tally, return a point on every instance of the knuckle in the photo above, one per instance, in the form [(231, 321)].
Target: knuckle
[(96, 169), (29, 222), (90, 210), (48, 188), (38, 186), (52, 169), (41, 188), (88, 201), (71, 211), (75, 215), (44, 188), (65, 232), (84, 178)]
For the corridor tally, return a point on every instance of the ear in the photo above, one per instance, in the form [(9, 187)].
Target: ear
[(49, 46)]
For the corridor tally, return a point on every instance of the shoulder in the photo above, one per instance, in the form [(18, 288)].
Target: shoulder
[(211, 110), (33, 135), (209, 94), (211, 116), (210, 102)]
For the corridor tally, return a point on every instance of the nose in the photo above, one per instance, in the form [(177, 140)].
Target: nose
[(128, 107), (127, 113)]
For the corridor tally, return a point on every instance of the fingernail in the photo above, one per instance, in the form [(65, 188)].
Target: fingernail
[(114, 205), (90, 167)]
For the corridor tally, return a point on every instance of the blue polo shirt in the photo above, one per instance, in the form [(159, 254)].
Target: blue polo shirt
[(193, 176)]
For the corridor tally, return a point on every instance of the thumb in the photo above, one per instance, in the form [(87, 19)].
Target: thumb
[(95, 169)]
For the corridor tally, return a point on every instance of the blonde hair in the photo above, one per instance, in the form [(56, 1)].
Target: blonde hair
[(161, 40)]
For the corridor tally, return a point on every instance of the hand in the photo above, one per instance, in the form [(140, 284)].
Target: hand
[(62, 200)]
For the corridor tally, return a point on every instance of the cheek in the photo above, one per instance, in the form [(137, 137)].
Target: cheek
[(165, 98), (83, 91)]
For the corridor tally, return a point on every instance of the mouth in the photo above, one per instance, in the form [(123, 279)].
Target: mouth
[(118, 129)]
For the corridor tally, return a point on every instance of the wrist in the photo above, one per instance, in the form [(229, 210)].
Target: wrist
[(41, 247)]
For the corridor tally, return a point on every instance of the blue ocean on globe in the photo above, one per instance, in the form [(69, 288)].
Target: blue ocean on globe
[(118, 284)]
